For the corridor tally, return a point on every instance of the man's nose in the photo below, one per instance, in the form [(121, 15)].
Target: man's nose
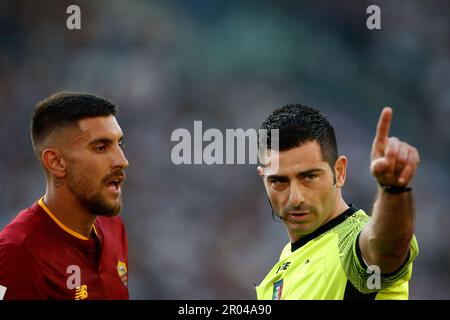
[(296, 196), (120, 160)]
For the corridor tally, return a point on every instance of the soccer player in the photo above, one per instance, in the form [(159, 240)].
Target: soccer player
[(71, 243), (336, 251)]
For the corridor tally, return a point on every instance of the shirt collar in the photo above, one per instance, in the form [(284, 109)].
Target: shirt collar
[(324, 228)]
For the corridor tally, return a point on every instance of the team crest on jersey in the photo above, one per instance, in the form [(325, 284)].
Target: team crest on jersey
[(122, 271), (277, 290)]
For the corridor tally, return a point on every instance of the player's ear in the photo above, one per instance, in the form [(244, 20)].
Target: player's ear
[(53, 162), (340, 171)]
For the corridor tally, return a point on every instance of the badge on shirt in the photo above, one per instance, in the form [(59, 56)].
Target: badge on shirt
[(122, 271), (277, 290)]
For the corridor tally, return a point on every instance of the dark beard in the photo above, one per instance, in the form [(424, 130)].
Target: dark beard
[(95, 203), (97, 206)]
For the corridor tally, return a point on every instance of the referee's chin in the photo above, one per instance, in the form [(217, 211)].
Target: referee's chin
[(299, 230)]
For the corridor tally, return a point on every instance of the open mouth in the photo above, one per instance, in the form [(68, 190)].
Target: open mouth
[(114, 185)]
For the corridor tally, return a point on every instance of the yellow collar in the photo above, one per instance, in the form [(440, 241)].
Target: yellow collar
[(60, 224)]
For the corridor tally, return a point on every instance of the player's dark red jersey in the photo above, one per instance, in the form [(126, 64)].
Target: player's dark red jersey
[(40, 258)]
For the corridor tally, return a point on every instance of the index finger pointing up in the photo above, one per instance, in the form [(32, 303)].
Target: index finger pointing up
[(384, 123)]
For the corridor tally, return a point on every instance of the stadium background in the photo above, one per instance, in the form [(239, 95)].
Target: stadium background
[(203, 231)]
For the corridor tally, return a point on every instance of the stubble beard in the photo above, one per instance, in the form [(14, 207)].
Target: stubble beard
[(94, 202)]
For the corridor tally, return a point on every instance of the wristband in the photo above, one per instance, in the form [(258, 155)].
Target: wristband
[(395, 190)]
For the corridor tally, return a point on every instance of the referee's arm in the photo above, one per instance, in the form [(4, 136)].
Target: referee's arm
[(385, 239)]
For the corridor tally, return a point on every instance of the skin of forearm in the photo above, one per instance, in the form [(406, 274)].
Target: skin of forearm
[(390, 230)]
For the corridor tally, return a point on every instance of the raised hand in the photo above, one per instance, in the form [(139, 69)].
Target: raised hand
[(393, 162)]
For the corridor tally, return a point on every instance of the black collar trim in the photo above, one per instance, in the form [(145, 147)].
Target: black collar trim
[(324, 228)]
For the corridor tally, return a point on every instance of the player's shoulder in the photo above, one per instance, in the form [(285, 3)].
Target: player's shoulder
[(24, 230)]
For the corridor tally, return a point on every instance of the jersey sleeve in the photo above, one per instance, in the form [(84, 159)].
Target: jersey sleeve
[(20, 277), (356, 270)]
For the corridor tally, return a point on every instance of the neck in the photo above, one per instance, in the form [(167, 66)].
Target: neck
[(69, 211), (340, 208)]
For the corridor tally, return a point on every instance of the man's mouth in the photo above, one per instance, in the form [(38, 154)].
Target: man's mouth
[(294, 212), (298, 215), (114, 185)]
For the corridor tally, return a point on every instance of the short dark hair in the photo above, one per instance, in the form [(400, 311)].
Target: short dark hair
[(298, 124), (66, 108)]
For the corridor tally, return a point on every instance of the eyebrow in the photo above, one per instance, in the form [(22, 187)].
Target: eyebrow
[(103, 140), (300, 174)]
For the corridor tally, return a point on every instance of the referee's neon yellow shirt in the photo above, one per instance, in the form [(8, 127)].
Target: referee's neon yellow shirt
[(327, 265)]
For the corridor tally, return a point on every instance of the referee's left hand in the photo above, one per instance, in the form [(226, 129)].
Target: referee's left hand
[(393, 162)]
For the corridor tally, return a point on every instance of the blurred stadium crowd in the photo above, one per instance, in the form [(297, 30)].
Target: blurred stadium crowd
[(206, 232)]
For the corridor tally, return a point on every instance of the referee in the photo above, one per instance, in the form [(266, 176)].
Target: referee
[(336, 251)]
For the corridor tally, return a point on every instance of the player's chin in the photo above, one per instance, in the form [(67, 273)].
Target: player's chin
[(112, 209), (112, 205)]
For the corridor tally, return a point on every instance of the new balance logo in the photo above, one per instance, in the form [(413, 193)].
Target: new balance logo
[(81, 293), (74, 282)]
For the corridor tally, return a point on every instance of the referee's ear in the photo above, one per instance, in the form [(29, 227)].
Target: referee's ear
[(340, 171), (53, 162)]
